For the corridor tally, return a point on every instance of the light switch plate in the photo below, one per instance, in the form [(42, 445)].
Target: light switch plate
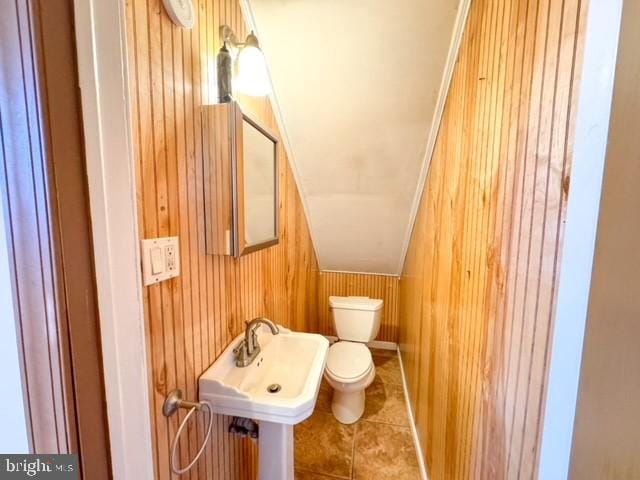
[(160, 259)]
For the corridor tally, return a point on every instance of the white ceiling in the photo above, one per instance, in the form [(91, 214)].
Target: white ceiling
[(356, 83)]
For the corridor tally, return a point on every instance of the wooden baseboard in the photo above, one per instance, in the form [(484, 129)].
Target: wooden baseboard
[(422, 465)]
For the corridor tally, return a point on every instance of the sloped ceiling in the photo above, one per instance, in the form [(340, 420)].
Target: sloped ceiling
[(357, 83)]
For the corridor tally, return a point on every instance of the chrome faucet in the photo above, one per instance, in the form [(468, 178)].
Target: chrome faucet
[(248, 349)]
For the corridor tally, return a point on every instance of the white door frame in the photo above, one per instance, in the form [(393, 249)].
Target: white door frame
[(590, 144), (102, 64)]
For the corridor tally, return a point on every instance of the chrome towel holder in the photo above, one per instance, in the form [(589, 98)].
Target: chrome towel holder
[(172, 403)]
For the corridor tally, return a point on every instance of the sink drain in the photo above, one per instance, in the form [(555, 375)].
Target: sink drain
[(274, 388)]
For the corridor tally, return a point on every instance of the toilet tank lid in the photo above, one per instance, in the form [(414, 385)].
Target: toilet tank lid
[(356, 303)]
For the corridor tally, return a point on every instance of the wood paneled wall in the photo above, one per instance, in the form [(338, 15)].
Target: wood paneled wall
[(192, 318), (374, 286), (478, 289)]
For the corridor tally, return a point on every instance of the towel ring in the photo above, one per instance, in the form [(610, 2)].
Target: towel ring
[(172, 403)]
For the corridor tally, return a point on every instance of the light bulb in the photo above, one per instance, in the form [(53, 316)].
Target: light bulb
[(252, 77)]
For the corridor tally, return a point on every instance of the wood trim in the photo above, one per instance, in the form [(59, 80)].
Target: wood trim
[(103, 72), (479, 284), (50, 237), (237, 141), (422, 464), (65, 149)]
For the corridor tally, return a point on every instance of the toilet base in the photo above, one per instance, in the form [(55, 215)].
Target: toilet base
[(348, 407)]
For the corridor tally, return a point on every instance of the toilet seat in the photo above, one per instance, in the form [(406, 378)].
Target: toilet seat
[(349, 362)]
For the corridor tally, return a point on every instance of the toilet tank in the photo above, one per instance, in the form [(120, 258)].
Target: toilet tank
[(356, 319)]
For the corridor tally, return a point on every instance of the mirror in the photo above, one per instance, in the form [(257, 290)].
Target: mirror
[(259, 186), (240, 181)]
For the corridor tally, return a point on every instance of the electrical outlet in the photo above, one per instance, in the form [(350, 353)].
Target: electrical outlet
[(170, 255), (160, 259)]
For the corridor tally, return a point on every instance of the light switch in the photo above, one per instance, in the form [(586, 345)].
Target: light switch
[(160, 259), (157, 261)]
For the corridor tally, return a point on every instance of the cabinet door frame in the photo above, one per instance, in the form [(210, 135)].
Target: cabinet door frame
[(240, 247)]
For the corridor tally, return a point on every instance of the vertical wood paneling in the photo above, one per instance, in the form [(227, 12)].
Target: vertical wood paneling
[(478, 288), (191, 319), (374, 286)]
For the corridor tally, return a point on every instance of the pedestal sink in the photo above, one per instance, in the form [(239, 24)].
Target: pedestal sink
[(278, 389)]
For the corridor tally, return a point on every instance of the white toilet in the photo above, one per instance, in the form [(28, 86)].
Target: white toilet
[(350, 367)]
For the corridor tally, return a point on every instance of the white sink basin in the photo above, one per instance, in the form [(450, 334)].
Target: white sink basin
[(293, 360)]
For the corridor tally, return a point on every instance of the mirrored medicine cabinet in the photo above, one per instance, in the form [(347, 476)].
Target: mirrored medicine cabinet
[(240, 181)]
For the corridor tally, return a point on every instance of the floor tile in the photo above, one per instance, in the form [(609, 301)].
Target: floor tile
[(388, 369), (383, 352), (384, 451), (381, 439), (323, 403), (303, 475), (385, 403), (324, 445)]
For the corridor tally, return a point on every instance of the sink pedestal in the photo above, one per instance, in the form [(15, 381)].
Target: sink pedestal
[(275, 444)]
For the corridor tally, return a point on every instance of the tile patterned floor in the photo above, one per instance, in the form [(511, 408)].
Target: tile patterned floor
[(378, 446)]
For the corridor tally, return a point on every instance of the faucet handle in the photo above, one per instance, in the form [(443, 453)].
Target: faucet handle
[(254, 336), (242, 354), (241, 348)]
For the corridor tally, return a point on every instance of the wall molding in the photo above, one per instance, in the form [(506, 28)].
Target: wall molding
[(102, 67), (452, 57), (422, 464), (361, 273)]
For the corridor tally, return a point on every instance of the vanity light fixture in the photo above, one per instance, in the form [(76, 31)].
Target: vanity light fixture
[(241, 66)]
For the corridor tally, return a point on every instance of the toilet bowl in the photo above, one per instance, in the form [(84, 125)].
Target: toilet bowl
[(350, 369)]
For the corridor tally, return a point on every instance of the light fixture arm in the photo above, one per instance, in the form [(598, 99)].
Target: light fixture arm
[(228, 37)]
